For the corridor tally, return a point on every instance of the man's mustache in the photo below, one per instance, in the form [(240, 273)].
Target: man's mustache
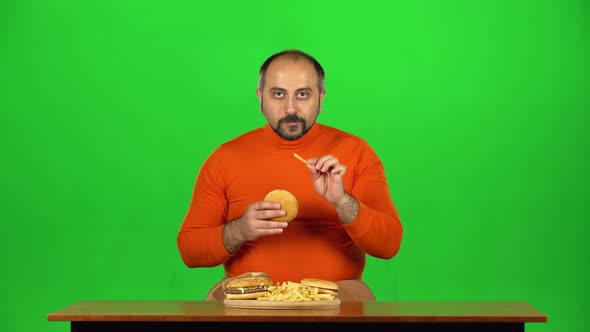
[(291, 118)]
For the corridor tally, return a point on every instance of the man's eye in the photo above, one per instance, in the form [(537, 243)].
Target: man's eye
[(303, 94), (278, 94)]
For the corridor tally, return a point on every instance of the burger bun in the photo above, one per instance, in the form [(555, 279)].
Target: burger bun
[(241, 282), (288, 203)]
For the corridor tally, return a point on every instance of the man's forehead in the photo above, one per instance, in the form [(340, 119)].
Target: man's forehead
[(290, 69)]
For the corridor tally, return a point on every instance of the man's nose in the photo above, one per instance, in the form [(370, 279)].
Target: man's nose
[(291, 106)]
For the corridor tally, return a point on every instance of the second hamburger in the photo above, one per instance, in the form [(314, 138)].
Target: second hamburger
[(323, 286)]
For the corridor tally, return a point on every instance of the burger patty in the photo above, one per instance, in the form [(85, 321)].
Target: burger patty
[(245, 290)]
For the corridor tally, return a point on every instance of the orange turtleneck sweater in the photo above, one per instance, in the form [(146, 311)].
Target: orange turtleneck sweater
[(315, 244)]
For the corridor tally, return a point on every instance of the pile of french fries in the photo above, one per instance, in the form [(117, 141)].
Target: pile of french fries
[(293, 291)]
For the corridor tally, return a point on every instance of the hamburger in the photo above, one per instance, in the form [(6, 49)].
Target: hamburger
[(247, 288), (323, 286), (288, 203)]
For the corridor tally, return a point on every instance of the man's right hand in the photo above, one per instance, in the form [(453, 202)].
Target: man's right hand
[(254, 223)]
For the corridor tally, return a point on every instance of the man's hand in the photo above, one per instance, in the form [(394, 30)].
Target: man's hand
[(254, 223), (326, 175)]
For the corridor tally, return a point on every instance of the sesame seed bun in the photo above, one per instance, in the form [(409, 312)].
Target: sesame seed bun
[(288, 203), (247, 288), (248, 282)]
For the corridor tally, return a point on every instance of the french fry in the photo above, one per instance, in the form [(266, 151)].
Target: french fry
[(300, 158), (293, 291)]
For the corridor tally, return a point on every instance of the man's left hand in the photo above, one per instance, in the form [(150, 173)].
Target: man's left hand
[(326, 174)]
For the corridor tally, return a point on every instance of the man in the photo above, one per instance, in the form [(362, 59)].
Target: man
[(345, 209)]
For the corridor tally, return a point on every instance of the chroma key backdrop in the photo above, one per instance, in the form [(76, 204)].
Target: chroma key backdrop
[(478, 110)]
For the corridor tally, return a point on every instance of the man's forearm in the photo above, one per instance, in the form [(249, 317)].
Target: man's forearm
[(231, 236), (348, 209)]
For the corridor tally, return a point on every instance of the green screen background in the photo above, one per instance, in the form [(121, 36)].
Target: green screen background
[(478, 109)]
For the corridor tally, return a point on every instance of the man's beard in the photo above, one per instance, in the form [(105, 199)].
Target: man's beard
[(284, 132)]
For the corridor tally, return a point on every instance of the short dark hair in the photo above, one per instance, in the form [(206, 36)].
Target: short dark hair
[(295, 54)]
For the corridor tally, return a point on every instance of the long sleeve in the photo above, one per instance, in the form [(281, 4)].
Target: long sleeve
[(199, 239), (377, 229), (243, 170)]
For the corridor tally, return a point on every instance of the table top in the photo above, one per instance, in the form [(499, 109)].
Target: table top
[(371, 311)]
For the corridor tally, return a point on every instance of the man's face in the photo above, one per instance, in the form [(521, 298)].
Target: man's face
[(291, 100)]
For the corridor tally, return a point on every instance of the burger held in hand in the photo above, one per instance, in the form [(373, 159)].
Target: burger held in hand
[(287, 201), (247, 288)]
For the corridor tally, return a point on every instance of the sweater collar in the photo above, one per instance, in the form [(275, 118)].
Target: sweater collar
[(299, 143)]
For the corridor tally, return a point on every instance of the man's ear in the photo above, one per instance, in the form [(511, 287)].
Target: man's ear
[(322, 100), (259, 95)]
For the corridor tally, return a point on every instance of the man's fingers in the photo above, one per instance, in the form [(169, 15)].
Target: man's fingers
[(269, 214), (266, 210), (323, 164), (271, 228), (270, 231), (321, 161), (340, 169), (314, 172), (273, 225), (266, 205)]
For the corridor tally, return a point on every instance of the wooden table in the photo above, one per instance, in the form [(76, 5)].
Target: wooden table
[(350, 316)]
